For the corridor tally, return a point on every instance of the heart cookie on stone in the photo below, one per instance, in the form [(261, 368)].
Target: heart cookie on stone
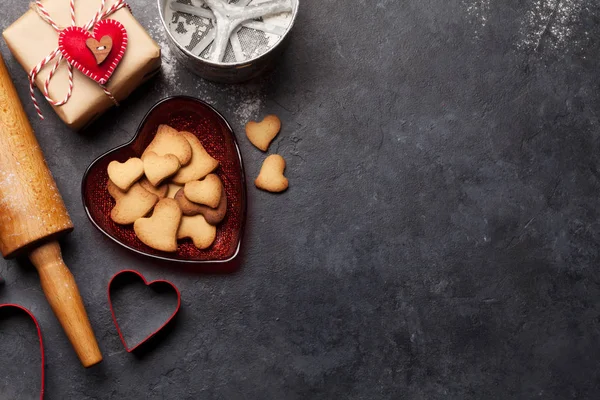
[(160, 230), (130, 205), (271, 176), (196, 228), (261, 134), (123, 175), (169, 141), (207, 191), (158, 168), (200, 165)]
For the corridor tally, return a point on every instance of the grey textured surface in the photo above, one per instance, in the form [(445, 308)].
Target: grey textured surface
[(439, 238)]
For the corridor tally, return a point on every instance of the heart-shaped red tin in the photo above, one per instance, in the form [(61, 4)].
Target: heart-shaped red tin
[(72, 42), (184, 114), (39, 334), (149, 284)]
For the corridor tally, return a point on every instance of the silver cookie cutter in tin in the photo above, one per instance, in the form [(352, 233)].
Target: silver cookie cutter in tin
[(228, 41)]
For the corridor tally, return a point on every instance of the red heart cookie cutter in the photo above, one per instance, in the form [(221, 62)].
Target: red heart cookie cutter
[(39, 333), (72, 42), (114, 317)]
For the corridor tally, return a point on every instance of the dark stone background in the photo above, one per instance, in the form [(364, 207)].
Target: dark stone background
[(439, 238)]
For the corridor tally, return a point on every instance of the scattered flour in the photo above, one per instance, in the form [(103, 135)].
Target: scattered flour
[(248, 109), (239, 103), (546, 24), (478, 12), (549, 24), (169, 64)]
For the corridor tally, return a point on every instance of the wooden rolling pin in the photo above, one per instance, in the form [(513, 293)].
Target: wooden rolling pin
[(33, 216)]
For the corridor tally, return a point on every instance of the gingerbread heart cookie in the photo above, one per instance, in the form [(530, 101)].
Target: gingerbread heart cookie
[(261, 134), (213, 216), (169, 141), (158, 168), (207, 191), (130, 205), (200, 165), (196, 228), (160, 230), (123, 175), (271, 176)]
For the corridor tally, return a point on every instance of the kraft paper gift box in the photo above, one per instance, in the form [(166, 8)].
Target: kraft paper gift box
[(30, 39)]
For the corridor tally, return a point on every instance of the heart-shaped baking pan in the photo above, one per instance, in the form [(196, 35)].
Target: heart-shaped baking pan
[(19, 309), (159, 285), (184, 114)]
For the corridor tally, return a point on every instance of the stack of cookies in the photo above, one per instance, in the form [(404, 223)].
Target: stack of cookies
[(174, 183)]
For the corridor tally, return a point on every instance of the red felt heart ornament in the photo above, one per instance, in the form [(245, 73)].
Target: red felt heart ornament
[(73, 44)]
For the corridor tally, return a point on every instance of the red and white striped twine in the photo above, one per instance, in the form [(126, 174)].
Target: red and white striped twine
[(43, 13)]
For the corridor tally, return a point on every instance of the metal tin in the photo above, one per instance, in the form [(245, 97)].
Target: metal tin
[(227, 72)]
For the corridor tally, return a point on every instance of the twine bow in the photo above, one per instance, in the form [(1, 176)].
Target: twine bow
[(56, 53)]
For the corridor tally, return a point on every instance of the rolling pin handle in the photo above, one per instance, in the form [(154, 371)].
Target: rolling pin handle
[(63, 295)]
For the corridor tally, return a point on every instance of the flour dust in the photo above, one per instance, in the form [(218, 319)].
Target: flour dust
[(239, 103), (478, 12), (548, 25)]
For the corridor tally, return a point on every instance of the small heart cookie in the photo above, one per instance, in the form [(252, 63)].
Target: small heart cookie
[(213, 216), (160, 230), (201, 164), (125, 174), (168, 141), (196, 228), (161, 191), (207, 191), (158, 168), (271, 176), (135, 203), (261, 134)]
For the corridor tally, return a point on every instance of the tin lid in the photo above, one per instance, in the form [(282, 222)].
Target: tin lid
[(229, 32)]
